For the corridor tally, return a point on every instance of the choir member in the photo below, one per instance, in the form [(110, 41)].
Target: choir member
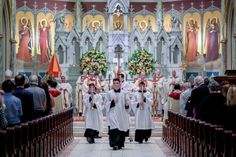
[(93, 124), (142, 100), (117, 105)]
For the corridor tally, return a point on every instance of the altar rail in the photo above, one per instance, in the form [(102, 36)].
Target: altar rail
[(194, 138), (42, 137)]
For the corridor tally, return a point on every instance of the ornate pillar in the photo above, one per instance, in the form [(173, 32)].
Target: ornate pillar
[(1, 18), (223, 41), (111, 22), (125, 22), (234, 42), (159, 15), (78, 15), (13, 37)]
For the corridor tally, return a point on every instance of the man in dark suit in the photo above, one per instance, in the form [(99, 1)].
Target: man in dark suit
[(25, 97), (199, 93)]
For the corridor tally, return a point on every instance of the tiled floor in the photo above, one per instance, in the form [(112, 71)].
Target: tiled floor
[(154, 148)]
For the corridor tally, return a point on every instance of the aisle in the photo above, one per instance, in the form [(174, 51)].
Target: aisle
[(80, 148)]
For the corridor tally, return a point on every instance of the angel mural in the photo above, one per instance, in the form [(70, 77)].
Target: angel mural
[(44, 40), (25, 42), (212, 39), (192, 29)]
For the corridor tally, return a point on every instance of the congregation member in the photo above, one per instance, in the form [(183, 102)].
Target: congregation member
[(117, 106), (39, 97), (3, 120), (93, 104), (213, 107), (198, 94), (50, 100), (26, 98), (13, 110), (142, 102), (184, 97), (66, 90)]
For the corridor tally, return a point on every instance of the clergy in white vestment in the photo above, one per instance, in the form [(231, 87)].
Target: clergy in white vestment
[(124, 84), (104, 86), (142, 101), (66, 90), (80, 92), (117, 106), (92, 114)]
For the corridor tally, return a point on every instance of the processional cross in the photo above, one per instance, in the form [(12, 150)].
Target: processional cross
[(118, 51)]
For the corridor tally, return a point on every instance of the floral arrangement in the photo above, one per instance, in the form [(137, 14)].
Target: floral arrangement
[(94, 61), (140, 61)]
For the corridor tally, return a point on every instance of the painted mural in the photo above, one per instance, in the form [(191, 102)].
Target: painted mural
[(25, 36), (192, 36), (192, 32)]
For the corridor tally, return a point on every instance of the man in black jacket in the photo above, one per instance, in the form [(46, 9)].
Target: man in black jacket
[(25, 97)]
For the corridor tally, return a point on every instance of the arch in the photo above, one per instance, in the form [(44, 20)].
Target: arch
[(60, 52), (113, 5)]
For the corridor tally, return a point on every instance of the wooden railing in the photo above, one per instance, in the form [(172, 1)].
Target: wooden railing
[(193, 138), (42, 137)]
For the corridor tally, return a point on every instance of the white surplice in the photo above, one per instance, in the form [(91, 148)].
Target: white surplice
[(143, 118), (93, 116), (117, 116)]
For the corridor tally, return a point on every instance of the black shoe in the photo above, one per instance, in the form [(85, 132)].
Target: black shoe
[(119, 147), (97, 137), (90, 140), (140, 142), (146, 139), (115, 148)]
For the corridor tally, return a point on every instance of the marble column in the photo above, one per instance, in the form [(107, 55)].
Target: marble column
[(125, 22), (111, 22), (223, 41), (13, 37), (234, 41), (78, 15)]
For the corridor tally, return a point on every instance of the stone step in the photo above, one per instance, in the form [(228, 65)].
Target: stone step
[(78, 128)]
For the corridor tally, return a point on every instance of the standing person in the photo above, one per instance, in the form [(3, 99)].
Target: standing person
[(39, 97), (26, 98), (142, 101), (198, 94), (13, 111), (93, 102), (184, 97), (80, 94), (117, 105), (66, 89), (3, 120), (58, 97)]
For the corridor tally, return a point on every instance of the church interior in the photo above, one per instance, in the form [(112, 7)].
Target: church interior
[(87, 42)]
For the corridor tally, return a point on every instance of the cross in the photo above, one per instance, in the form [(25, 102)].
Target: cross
[(118, 50)]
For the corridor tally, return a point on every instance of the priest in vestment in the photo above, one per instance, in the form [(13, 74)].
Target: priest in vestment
[(142, 102), (93, 103), (66, 90), (117, 106)]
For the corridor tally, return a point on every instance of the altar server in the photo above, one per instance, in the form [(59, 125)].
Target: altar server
[(92, 103), (142, 100), (117, 105)]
